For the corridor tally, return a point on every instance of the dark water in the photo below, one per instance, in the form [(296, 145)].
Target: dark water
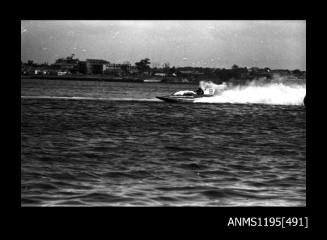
[(97, 150)]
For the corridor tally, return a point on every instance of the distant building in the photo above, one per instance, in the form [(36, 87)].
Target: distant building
[(114, 68), (38, 72), (67, 64), (62, 73), (95, 66), (82, 67), (160, 74), (186, 72)]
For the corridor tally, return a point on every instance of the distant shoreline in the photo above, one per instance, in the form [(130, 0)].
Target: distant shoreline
[(139, 79), (82, 78), (99, 78)]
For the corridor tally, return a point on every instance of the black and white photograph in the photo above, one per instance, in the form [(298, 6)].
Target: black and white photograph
[(163, 113)]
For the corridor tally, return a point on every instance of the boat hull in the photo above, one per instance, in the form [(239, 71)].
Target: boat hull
[(180, 99), (177, 99)]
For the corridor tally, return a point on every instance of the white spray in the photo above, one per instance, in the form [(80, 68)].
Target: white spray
[(274, 92)]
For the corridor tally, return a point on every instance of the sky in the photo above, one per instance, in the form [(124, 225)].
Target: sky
[(198, 43)]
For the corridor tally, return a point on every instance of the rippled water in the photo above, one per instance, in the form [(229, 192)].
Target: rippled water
[(112, 144)]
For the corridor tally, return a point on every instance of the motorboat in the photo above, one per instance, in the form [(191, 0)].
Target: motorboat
[(186, 96)]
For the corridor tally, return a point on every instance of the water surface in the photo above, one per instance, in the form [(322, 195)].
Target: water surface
[(113, 144)]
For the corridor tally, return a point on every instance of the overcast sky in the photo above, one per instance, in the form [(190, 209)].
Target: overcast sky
[(218, 44)]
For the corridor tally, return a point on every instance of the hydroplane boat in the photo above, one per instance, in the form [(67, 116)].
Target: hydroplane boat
[(187, 96)]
